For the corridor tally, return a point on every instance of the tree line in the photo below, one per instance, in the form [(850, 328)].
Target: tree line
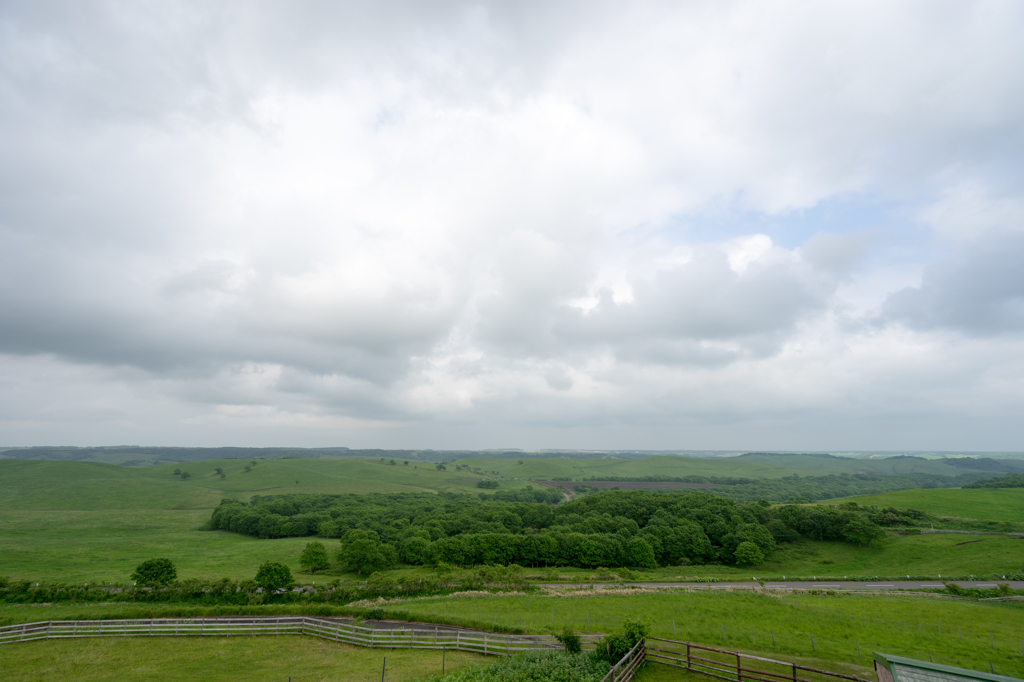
[(1007, 481), (613, 528), (803, 489)]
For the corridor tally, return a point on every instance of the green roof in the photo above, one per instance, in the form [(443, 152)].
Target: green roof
[(933, 672)]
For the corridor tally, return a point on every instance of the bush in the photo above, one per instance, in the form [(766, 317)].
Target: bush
[(570, 640), (155, 572), (273, 576), (749, 554), (615, 645), (487, 484), (535, 665)]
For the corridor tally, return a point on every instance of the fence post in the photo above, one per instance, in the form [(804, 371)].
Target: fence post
[(689, 663), (739, 667)]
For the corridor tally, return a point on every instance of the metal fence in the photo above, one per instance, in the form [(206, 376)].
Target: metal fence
[(730, 665), (395, 638)]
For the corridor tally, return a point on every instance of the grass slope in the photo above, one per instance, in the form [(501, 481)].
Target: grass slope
[(82, 521), (901, 625), (995, 504), (559, 467), (827, 464), (141, 659)]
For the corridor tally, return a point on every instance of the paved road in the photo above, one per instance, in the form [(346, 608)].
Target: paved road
[(812, 585)]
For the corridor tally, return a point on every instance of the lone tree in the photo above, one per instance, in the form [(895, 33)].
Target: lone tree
[(749, 554), (273, 576), (314, 557), (155, 572)]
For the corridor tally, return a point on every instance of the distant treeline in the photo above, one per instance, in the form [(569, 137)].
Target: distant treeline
[(611, 529), (172, 454), (804, 489), (1007, 481)]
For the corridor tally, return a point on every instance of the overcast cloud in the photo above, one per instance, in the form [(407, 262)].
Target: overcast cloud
[(458, 225)]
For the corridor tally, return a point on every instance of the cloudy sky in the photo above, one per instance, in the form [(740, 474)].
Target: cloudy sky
[(687, 225)]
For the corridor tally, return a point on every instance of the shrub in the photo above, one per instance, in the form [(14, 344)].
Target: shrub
[(570, 640), (749, 554), (273, 576), (155, 572), (535, 665), (487, 484)]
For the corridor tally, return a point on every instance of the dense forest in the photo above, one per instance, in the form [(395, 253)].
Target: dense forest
[(612, 529)]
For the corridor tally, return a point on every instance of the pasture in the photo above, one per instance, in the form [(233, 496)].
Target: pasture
[(83, 521), (955, 632), (989, 504), (269, 659)]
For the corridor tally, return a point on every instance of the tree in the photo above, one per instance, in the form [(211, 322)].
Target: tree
[(392, 463), (177, 472), (362, 554), (155, 572), (749, 554), (860, 530), (273, 576), (487, 484), (314, 557), (219, 470), (406, 463), (415, 550), (639, 553), (185, 474), (440, 467)]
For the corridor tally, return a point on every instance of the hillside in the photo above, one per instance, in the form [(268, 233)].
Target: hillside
[(988, 504)]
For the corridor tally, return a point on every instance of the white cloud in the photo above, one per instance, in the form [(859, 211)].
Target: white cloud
[(545, 225)]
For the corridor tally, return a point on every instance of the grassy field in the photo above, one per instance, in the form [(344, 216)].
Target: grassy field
[(779, 625), (564, 467), (268, 659), (989, 504), (81, 521), (901, 625)]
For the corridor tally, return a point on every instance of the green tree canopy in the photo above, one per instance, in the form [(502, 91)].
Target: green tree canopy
[(749, 554), (314, 557), (273, 576), (155, 572)]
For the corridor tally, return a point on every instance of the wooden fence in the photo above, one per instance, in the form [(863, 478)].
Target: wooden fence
[(395, 638), (626, 668), (733, 665)]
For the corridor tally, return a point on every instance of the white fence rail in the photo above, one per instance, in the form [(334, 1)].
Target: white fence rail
[(394, 638)]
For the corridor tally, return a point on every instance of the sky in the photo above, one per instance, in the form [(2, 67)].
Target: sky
[(597, 225)]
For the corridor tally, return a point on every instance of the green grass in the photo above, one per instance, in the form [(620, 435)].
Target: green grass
[(837, 622), (304, 659), (563, 467), (28, 484), (834, 465), (82, 521), (988, 504)]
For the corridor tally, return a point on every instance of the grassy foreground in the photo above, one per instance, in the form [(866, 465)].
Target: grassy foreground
[(955, 632), (269, 659)]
